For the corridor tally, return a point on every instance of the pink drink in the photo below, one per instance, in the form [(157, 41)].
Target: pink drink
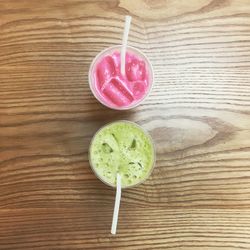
[(115, 90)]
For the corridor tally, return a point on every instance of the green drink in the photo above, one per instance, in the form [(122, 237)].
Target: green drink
[(125, 148)]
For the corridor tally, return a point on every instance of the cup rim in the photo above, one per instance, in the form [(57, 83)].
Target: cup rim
[(130, 106), (145, 132)]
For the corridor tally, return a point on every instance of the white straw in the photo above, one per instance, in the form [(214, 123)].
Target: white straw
[(124, 43), (117, 204)]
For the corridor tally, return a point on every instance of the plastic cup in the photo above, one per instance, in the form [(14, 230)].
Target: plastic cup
[(125, 154), (92, 77)]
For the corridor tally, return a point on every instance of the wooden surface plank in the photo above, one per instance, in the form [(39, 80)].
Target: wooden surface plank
[(88, 228), (198, 114)]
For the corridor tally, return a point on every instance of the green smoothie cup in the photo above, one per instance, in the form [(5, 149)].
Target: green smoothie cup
[(122, 147)]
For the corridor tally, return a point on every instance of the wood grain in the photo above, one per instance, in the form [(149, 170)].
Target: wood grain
[(198, 196)]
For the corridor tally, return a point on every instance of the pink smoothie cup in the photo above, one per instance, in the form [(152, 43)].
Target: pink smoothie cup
[(114, 90)]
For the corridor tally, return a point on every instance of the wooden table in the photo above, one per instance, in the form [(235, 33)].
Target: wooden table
[(198, 114)]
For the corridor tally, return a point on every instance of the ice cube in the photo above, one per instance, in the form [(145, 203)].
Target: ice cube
[(117, 59), (136, 70), (105, 70), (118, 92), (139, 88)]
